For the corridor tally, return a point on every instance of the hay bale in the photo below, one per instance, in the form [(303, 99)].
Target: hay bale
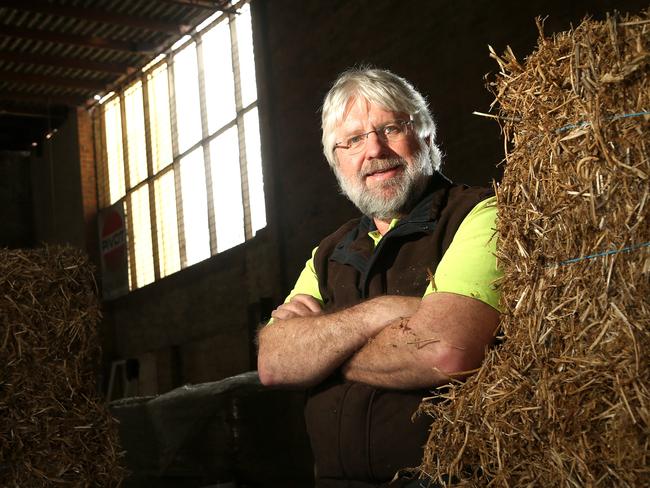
[(54, 430), (564, 401)]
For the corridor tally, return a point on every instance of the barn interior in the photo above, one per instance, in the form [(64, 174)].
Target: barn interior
[(199, 225)]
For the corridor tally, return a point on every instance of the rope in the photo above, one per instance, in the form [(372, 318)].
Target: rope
[(615, 251), (600, 254), (613, 117)]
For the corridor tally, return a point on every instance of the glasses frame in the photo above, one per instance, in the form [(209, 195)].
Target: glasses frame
[(380, 134)]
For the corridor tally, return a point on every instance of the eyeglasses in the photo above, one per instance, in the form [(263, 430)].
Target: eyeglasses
[(391, 132)]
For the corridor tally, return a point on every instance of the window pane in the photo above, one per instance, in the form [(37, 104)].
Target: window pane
[(114, 149), (141, 232), (186, 88), (135, 134), (246, 57), (167, 224), (209, 21), (254, 170), (219, 80), (195, 207), (226, 187), (159, 121)]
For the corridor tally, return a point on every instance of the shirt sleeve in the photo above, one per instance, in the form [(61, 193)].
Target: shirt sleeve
[(469, 267), (307, 283)]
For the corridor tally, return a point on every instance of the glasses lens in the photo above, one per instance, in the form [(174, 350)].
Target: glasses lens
[(394, 131), (356, 143)]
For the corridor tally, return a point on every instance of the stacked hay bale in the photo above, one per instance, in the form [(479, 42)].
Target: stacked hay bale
[(565, 400), (54, 431)]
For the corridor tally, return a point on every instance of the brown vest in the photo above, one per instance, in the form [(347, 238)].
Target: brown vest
[(359, 432)]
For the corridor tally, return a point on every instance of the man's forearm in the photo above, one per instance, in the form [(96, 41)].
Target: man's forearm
[(444, 339), (303, 351), (398, 357)]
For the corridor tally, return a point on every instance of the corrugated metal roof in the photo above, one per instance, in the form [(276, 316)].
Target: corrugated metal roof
[(60, 53)]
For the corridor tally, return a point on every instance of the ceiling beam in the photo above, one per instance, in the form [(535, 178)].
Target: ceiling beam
[(222, 5), (86, 41), (87, 13), (39, 112), (74, 63), (47, 100), (48, 80)]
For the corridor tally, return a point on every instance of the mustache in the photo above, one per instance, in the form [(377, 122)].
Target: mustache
[(377, 165)]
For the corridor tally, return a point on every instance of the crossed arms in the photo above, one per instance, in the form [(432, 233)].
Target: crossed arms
[(390, 341)]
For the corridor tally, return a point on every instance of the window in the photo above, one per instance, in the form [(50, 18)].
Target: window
[(180, 150)]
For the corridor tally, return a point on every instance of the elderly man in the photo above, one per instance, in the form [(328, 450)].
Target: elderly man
[(392, 304)]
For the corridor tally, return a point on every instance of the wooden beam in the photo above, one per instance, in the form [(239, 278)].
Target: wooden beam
[(47, 80), (34, 114), (38, 112), (87, 41), (221, 5), (87, 13), (74, 63), (47, 100)]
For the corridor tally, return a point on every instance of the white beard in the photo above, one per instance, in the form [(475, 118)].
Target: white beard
[(394, 197)]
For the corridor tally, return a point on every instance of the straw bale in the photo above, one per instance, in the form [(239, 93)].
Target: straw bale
[(54, 430), (564, 400)]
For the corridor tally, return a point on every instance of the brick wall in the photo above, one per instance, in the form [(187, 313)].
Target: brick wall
[(88, 182)]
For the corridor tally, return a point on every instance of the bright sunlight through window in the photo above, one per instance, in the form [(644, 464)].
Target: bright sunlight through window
[(180, 150)]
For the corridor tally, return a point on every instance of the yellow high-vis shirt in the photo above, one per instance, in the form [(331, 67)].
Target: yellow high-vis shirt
[(468, 267)]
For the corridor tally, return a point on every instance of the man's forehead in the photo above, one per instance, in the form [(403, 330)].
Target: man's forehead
[(358, 110), (357, 103)]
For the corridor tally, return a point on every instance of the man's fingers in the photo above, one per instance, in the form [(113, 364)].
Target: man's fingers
[(298, 306), (291, 309), (308, 301), (282, 314)]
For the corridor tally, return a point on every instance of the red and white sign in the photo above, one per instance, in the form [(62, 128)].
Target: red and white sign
[(113, 248)]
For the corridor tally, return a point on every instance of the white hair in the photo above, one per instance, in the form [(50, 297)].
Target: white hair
[(386, 90)]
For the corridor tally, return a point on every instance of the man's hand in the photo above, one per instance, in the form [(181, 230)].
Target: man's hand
[(299, 306)]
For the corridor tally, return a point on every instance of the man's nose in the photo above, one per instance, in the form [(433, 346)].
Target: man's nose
[(376, 146)]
